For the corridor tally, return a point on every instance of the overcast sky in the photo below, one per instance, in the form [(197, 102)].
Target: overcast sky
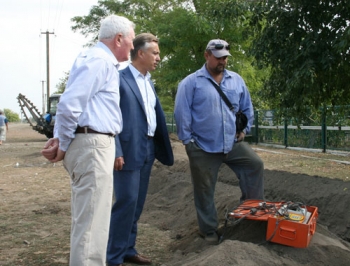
[(23, 47)]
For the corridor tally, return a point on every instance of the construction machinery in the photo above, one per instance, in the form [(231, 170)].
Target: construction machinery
[(44, 124)]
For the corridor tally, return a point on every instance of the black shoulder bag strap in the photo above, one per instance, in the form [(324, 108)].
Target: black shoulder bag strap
[(223, 95), (241, 119)]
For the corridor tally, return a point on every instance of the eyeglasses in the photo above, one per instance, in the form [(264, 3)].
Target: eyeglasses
[(219, 46)]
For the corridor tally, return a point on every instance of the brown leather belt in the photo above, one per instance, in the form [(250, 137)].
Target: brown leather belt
[(149, 137), (84, 130)]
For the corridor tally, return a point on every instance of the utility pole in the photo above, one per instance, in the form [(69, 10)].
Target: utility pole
[(47, 65), (43, 95)]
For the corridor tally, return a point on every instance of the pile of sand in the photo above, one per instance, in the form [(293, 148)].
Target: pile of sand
[(170, 207)]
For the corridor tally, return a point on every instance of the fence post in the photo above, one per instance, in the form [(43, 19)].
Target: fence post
[(285, 133), (256, 122), (324, 129)]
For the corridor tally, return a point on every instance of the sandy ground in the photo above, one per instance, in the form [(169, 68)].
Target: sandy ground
[(35, 209)]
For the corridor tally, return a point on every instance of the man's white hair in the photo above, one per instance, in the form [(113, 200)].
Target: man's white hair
[(112, 25)]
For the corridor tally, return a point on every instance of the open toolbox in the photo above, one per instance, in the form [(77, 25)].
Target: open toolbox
[(288, 223)]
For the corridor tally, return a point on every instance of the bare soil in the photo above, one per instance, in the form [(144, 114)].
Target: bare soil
[(35, 209)]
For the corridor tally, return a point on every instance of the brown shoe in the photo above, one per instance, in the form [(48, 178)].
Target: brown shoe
[(138, 259)]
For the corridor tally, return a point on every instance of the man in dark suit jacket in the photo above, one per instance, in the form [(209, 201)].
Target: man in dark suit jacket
[(144, 138)]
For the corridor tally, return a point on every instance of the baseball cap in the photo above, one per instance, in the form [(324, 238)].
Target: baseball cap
[(219, 48)]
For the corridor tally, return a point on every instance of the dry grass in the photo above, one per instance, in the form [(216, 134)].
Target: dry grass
[(304, 162)]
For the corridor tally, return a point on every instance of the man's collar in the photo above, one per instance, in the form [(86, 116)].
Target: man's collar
[(107, 50), (136, 72)]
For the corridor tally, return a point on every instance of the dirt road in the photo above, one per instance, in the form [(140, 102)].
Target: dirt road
[(35, 209)]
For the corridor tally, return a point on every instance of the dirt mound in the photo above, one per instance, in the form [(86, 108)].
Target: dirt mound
[(35, 209), (170, 208)]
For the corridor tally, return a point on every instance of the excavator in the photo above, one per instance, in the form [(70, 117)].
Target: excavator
[(43, 123)]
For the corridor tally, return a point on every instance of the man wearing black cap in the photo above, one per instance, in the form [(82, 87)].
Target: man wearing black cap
[(206, 126)]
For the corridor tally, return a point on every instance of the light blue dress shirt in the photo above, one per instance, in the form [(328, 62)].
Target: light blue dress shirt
[(202, 116), (91, 97), (3, 120)]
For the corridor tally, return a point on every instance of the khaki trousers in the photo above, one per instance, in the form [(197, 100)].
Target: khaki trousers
[(89, 161)]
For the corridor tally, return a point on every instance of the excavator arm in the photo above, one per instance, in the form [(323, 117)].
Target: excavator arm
[(34, 117)]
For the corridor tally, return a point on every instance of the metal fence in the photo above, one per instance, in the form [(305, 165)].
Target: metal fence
[(327, 130), (170, 122)]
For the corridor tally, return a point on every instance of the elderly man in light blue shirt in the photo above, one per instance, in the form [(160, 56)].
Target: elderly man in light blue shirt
[(207, 127), (88, 118)]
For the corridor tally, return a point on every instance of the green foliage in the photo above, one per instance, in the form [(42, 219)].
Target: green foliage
[(61, 86), (306, 46), (11, 116), (184, 29)]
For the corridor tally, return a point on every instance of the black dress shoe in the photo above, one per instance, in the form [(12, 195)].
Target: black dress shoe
[(138, 259), (120, 264)]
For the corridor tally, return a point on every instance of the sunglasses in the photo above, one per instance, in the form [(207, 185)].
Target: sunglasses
[(219, 46)]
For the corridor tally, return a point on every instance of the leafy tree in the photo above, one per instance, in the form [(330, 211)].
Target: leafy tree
[(183, 28), (305, 44), (11, 116), (61, 86)]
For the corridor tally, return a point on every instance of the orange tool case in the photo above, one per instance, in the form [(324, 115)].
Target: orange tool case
[(288, 223)]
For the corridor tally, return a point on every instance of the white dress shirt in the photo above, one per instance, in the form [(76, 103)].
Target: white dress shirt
[(148, 97), (91, 97)]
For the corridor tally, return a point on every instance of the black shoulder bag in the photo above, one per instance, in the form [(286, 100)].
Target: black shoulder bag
[(241, 119)]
